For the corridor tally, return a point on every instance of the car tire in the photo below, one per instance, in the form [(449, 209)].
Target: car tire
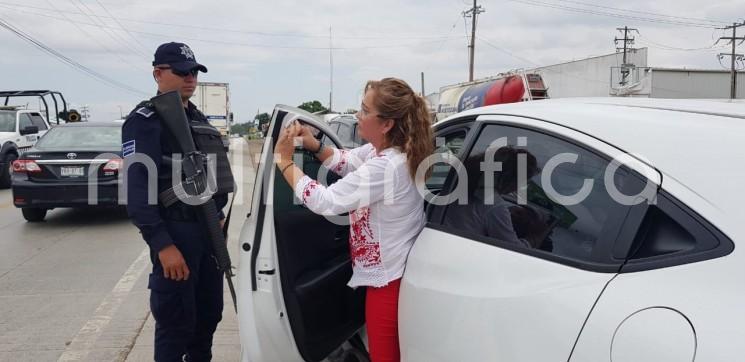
[(5, 172), (34, 214)]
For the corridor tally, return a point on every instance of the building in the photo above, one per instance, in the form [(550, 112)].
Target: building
[(602, 76), (605, 75)]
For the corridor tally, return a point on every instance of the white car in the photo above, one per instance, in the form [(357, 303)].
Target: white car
[(613, 277), (19, 131)]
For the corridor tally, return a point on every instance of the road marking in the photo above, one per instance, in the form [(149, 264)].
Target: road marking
[(86, 338)]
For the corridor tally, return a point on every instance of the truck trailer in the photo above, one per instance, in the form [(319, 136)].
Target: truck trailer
[(213, 99)]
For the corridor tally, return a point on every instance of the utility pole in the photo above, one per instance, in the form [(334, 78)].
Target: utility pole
[(331, 71), (627, 47), (735, 57), (423, 85), (84, 113), (472, 13)]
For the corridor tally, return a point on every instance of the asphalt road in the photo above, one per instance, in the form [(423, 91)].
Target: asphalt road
[(74, 287)]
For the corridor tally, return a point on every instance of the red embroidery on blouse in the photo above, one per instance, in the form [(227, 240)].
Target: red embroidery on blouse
[(310, 186), (342, 162), (364, 248)]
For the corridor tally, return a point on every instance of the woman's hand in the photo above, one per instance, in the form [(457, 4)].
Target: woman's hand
[(310, 142), (286, 145)]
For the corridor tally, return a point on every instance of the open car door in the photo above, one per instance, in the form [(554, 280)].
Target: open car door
[(294, 303)]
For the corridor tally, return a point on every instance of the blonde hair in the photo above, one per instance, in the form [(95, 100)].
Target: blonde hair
[(411, 132)]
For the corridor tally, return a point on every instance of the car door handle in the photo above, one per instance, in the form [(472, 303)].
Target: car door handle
[(267, 272)]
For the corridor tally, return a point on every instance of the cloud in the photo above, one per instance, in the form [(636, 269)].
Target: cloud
[(275, 52)]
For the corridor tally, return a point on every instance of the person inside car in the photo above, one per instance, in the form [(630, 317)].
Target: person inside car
[(487, 213), (378, 190)]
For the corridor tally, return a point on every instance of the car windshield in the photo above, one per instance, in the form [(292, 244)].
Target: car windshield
[(7, 121), (107, 138)]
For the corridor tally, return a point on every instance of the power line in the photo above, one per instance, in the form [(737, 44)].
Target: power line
[(643, 12), (655, 44), (444, 40), (262, 46), (142, 46), (102, 45), (106, 28), (14, 6), (61, 57), (615, 15), (503, 50)]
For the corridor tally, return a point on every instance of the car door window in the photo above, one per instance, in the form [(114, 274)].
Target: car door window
[(345, 134), (672, 234), (24, 121), (536, 198), (335, 127), (38, 121), (447, 143), (357, 139)]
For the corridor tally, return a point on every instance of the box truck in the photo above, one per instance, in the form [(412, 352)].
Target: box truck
[(213, 99)]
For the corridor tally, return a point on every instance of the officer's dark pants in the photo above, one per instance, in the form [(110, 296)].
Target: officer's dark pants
[(187, 312)]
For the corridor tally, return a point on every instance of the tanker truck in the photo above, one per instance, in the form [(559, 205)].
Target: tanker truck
[(505, 88)]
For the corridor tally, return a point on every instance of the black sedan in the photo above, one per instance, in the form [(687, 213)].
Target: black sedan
[(72, 165)]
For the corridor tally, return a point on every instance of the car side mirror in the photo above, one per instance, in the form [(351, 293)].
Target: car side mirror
[(29, 130)]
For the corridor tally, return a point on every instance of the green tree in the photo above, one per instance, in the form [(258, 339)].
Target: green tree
[(263, 118), (241, 128), (313, 107)]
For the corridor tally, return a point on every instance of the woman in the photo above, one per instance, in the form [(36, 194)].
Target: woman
[(378, 190)]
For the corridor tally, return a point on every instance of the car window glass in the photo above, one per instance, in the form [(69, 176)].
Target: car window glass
[(357, 139), (334, 126), (38, 121), (344, 133), (448, 143), (326, 139), (540, 219), (103, 138), (24, 121), (7, 122)]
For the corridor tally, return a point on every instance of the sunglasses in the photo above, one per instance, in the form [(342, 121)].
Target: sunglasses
[(194, 72)]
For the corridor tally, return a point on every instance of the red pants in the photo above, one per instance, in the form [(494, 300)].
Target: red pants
[(381, 316)]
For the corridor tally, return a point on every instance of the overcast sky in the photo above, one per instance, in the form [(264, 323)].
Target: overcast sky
[(277, 51)]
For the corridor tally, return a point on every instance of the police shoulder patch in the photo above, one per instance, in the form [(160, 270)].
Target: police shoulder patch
[(147, 112), (128, 148)]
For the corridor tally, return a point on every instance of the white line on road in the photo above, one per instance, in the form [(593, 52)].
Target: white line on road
[(86, 338)]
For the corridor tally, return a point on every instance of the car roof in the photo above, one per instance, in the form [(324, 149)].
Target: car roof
[(345, 118), (697, 143), (93, 124)]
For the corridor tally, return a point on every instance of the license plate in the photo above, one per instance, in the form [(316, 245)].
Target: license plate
[(72, 171)]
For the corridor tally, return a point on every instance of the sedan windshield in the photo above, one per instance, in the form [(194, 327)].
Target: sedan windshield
[(7, 122), (104, 138)]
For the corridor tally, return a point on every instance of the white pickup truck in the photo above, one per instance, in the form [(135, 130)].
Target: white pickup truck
[(19, 131)]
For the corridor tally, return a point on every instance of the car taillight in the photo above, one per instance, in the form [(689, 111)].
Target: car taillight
[(26, 166), (113, 165)]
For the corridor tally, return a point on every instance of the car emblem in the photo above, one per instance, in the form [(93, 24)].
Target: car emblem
[(72, 155)]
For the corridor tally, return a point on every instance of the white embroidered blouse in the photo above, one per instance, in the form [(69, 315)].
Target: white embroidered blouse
[(386, 211)]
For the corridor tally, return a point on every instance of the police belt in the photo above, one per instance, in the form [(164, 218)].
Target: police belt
[(179, 212)]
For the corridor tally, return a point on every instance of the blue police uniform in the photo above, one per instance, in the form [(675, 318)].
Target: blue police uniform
[(186, 312)]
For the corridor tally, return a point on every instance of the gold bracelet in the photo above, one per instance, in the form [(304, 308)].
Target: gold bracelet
[(286, 167)]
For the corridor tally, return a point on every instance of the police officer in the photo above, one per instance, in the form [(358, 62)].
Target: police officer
[(186, 288)]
